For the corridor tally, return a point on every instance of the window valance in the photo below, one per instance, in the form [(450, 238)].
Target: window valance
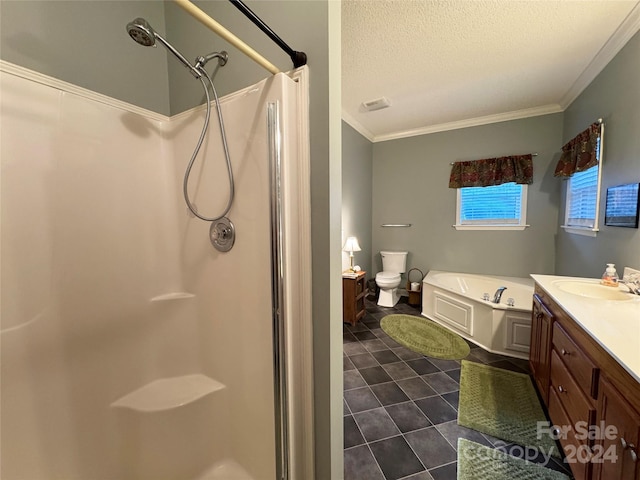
[(580, 153), (492, 171)]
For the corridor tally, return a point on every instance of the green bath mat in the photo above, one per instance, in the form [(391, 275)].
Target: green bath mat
[(503, 404), (425, 337), (477, 462)]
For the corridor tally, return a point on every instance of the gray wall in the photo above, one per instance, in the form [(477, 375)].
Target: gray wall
[(410, 185), (614, 95), (86, 44), (357, 171)]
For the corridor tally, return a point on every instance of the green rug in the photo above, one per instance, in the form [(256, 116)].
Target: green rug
[(425, 337), (503, 404), (477, 462)]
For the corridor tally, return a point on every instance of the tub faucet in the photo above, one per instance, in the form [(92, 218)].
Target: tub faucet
[(498, 294)]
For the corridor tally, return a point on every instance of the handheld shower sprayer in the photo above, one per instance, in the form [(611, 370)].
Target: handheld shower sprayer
[(145, 35)]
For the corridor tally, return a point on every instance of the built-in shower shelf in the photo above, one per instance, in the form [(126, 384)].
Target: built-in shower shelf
[(169, 393), (172, 296)]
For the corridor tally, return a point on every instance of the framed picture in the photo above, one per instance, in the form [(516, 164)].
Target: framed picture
[(622, 206)]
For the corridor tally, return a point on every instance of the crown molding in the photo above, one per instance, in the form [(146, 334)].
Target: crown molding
[(357, 126), (610, 49), (472, 122), (31, 75)]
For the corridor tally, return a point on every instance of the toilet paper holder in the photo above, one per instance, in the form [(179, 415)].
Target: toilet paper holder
[(414, 293)]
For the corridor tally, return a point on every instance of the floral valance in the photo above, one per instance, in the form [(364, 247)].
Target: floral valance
[(492, 171), (580, 153)]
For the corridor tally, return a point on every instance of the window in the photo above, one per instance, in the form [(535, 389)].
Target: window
[(583, 201), (498, 207)]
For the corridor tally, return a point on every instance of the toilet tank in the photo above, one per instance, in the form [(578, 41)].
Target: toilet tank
[(395, 262)]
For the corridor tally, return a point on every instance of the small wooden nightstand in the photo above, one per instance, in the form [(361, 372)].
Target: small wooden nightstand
[(353, 293)]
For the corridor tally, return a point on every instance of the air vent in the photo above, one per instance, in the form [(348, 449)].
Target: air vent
[(377, 104)]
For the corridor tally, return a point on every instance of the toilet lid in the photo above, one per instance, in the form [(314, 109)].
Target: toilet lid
[(387, 275)]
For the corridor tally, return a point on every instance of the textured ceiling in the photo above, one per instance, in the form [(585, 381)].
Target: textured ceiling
[(451, 64)]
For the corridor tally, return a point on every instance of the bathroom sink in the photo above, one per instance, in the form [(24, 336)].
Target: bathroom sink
[(592, 290)]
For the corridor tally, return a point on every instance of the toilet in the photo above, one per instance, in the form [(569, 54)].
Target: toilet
[(393, 265)]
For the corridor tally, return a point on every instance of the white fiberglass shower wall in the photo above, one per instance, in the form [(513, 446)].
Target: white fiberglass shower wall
[(131, 348)]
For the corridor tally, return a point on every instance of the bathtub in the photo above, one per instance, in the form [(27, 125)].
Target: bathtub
[(455, 301)]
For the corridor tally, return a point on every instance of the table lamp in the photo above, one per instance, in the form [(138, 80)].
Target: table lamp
[(351, 245)]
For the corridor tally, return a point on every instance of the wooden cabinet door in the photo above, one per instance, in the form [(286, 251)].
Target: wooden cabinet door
[(618, 445), (539, 353)]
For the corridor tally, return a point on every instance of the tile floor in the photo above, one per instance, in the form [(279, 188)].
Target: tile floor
[(400, 407)]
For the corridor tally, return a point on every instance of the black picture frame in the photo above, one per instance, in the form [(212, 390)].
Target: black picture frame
[(622, 205)]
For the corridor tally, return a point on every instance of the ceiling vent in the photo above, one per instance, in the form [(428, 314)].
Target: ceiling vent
[(377, 104)]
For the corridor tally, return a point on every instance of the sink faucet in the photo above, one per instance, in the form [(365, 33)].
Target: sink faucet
[(498, 294), (632, 283)]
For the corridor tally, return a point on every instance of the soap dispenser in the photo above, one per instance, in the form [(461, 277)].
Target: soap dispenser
[(610, 276)]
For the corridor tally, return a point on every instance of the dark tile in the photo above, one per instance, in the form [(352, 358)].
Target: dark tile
[(446, 472), (364, 360), (452, 398), (399, 370), (420, 476), (525, 453), (374, 345), (389, 393), (345, 408), (364, 335), (431, 447), (385, 356), (416, 388), (352, 435), (391, 342), (372, 323), (375, 375), (522, 363), (358, 327), (354, 348), (346, 364), (452, 431), (395, 457), (359, 464), (406, 354), (454, 374), (507, 365), (361, 399), (441, 382), (422, 366), (348, 338), (407, 417), (352, 379), (376, 424), (445, 365), (436, 409), (485, 356)]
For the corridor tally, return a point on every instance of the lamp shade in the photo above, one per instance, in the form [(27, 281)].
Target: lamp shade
[(351, 245)]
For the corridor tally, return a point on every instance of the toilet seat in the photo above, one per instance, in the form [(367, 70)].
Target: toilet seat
[(384, 279)]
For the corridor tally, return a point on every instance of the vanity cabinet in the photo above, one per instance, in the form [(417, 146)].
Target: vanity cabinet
[(590, 397), (620, 443), (540, 346), (353, 293)]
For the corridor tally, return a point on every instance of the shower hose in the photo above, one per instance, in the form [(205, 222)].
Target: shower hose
[(205, 127)]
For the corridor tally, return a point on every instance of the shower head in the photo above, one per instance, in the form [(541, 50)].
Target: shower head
[(145, 35), (141, 32)]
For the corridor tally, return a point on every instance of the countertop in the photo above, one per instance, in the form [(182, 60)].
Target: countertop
[(615, 325)]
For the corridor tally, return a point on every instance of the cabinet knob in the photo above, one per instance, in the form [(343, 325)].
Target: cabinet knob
[(564, 352), (631, 447), (561, 389)]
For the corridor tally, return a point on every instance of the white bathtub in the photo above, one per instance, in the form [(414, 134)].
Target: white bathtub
[(455, 300)]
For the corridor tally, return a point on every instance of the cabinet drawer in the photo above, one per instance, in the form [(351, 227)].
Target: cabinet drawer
[(576, 450), (573, 400), (583, 370)]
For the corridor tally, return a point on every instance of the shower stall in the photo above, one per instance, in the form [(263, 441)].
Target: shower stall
[(130, 347)]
